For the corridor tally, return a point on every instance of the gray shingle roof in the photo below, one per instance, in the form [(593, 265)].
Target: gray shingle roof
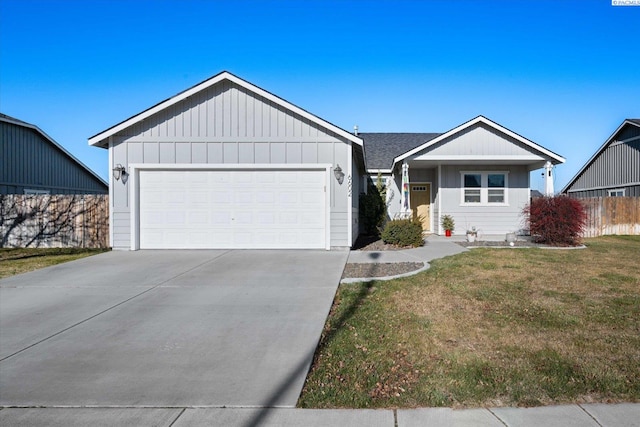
[(636, 121), (382, 148)]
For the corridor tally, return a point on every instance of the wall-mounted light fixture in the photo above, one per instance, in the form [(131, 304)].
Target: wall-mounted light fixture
[(119, 171), (338, 174)]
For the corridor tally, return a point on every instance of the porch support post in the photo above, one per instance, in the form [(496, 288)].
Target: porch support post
[(548, 179), (406, 203)]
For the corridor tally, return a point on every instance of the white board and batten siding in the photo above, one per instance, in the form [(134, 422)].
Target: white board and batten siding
[(222, 125), (478, 143)]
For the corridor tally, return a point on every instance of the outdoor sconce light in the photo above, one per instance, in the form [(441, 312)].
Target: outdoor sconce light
[(339, 174), (119, 171)]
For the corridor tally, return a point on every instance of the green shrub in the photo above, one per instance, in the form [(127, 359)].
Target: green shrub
[(372, 210), (403, 232)]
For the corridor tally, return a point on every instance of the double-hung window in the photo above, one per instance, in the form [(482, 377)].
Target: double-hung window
[(472, 187), (484, 188), (495, 187)]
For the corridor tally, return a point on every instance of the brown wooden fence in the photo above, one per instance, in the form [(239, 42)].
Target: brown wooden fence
[(54, 221), (612, 215)]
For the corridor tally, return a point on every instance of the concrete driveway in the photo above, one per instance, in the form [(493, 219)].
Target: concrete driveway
[(165, 328)]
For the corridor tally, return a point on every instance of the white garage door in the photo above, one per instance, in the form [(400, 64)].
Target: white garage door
[(237, 209)]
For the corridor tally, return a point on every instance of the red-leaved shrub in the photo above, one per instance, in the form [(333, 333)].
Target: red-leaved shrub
[(557, 220)]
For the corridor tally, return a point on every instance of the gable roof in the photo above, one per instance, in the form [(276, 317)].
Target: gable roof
[(555, 158), (100, 139), (631, 122), (382, 148), (8, 119)]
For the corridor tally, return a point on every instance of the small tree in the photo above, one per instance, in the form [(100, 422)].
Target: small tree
[(557, 220), (382, 188), (372, 210)]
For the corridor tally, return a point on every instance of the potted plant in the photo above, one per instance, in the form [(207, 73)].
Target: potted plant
[(448, 224), (472, 234)]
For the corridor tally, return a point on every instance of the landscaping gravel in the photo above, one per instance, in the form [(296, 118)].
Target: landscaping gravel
[(366, 270)]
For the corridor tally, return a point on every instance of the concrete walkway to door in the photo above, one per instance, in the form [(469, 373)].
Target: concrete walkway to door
[(165, 328)]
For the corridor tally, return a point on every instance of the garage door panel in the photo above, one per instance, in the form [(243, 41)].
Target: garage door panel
[(220, 218), (221, 197), (266, 218), (232, 209), (288, 197), (199, 218)]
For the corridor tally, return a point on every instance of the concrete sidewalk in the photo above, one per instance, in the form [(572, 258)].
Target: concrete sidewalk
[(586, 415), (432, 249)]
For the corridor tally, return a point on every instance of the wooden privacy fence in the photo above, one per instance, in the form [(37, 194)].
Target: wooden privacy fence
[(612, 215), (54, 221)]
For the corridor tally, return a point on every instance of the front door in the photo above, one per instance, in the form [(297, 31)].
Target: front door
[(420, 197)]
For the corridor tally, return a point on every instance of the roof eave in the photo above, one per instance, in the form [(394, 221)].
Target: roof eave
[(100, 138), (555, 158), (597, 153), (55, 144)]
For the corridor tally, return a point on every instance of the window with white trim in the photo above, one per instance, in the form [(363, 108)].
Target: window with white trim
[(618, 192), (484, 188), (472, 187), (495, 187)]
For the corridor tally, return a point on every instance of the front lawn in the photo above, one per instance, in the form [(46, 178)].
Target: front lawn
[(20, 260), (489, 327)]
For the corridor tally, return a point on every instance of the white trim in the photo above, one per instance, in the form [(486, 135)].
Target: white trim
[(350, 196), (218, 139), (595, 155), (480, 119), (439, 198), (327, 202), (480, 158), (484, 188), (382, 171), (229, 166), (134, 190), (111, 192), (225, 75)]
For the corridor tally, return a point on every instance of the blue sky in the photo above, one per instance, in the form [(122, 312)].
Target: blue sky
[(564, 74)]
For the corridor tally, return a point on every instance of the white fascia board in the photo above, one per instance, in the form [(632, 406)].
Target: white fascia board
[(55, 144), (481, 158), (228, 166), (596, 154), (481, 119), (225, 75), (376, 171)]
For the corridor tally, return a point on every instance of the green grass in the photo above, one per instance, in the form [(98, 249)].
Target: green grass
[(21, 260), (488, 327)]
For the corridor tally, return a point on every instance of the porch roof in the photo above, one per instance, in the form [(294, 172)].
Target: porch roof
[(536, 157), (382, 148)]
